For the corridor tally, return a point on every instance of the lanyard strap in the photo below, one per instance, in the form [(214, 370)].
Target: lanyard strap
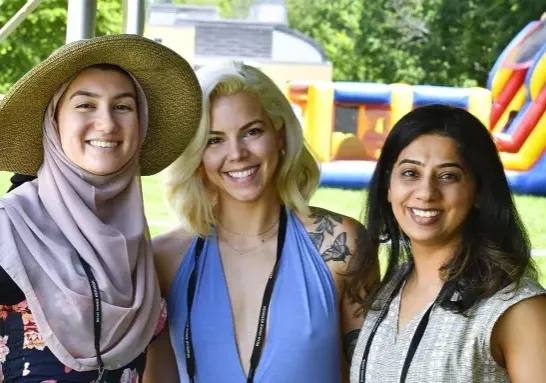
[(190, 358), (97, 316), (415, 340), (262, 321)]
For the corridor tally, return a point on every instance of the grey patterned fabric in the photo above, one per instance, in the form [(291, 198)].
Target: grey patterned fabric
[(454, 348)]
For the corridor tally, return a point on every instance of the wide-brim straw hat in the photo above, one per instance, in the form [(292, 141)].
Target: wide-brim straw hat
[(169, 82)]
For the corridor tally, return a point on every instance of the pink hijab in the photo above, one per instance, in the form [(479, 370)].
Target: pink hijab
[(68, 211)]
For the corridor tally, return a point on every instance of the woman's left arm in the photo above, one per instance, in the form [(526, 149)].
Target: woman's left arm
[(350, 324), (343, 244), (518, 341), (351, 312)]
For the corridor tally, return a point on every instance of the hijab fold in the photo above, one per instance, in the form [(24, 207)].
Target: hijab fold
[(68, 212)]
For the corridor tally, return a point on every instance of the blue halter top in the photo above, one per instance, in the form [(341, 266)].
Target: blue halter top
[(303, 342)]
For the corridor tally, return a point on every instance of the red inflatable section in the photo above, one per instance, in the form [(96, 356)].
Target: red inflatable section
[(512, 143), (506, 95)]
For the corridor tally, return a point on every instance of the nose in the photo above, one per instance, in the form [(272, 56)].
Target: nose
[(237, 150), (105, 122), (427, 189)]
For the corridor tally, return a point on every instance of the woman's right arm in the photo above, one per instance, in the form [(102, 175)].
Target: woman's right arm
[(160, 361), (169, 250), (518, 339)]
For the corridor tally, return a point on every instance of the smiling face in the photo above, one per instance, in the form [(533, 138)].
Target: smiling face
[(431, 192), (98, 121), (243, 148)]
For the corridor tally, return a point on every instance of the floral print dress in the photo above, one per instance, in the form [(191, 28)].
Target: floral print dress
[(24, 357)]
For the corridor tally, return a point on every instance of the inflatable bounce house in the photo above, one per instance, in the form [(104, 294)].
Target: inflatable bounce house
[(346, 123)]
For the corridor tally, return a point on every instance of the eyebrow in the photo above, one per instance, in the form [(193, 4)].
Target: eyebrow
[(443, 165), (96, 95), (245, 126)]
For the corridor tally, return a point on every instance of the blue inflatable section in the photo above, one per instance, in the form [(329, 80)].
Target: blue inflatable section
[(372, 93), (346, 174), (532, 181), (425, 95), (358, 174), (362, 93)]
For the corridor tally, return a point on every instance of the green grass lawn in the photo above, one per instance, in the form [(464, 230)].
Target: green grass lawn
[(346, 202)]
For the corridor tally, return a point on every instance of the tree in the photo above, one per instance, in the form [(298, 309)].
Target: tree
[(333, 24), (43, 31), (437, 42), (471, 35)]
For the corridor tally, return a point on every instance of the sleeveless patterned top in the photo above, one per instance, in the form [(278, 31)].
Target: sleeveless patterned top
[(454, 348)]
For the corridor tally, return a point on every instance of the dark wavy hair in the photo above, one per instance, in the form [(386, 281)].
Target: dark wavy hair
[(494, 251)]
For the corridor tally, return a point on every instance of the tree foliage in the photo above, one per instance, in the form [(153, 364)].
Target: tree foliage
[(437, 42), (43, 31), (441, 42)]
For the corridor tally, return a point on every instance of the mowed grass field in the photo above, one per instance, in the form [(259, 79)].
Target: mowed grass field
[(347, 202)]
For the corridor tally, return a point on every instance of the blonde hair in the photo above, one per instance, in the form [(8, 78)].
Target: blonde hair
[(297, 174)]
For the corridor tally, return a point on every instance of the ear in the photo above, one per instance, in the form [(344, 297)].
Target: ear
[(389, 194)]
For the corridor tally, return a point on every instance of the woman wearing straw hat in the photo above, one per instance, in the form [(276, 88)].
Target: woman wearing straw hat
[(264, 278), (79, 298)]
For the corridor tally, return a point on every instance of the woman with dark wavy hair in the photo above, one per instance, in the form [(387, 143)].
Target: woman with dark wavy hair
[(459, 301)]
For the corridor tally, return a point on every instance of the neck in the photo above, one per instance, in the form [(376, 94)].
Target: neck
[(248, 217), (427, 264)]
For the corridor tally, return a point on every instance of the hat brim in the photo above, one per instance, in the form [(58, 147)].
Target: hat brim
[(169, 82)]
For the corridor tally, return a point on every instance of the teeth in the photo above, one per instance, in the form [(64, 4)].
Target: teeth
[(426, 213), (244, 173), (104, 144)]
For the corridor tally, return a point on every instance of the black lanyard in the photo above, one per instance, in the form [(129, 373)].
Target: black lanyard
[(97, 317), (262, 321), (415, 340)]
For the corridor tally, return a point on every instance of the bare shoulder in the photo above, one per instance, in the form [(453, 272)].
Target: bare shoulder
[(509, 336), (334, 235), (169, 250), (529, 310)]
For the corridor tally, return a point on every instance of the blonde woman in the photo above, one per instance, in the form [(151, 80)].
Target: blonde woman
[(263, 275)]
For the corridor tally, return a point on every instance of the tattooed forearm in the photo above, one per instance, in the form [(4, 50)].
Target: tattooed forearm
[(349, 343)]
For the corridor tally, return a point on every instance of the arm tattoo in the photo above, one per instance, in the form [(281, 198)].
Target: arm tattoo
[(326, 222), (338, 251), (349, 344), (317, 239)]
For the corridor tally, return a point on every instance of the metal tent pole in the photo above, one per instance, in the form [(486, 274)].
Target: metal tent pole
[(81, 20), (134, 13)]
